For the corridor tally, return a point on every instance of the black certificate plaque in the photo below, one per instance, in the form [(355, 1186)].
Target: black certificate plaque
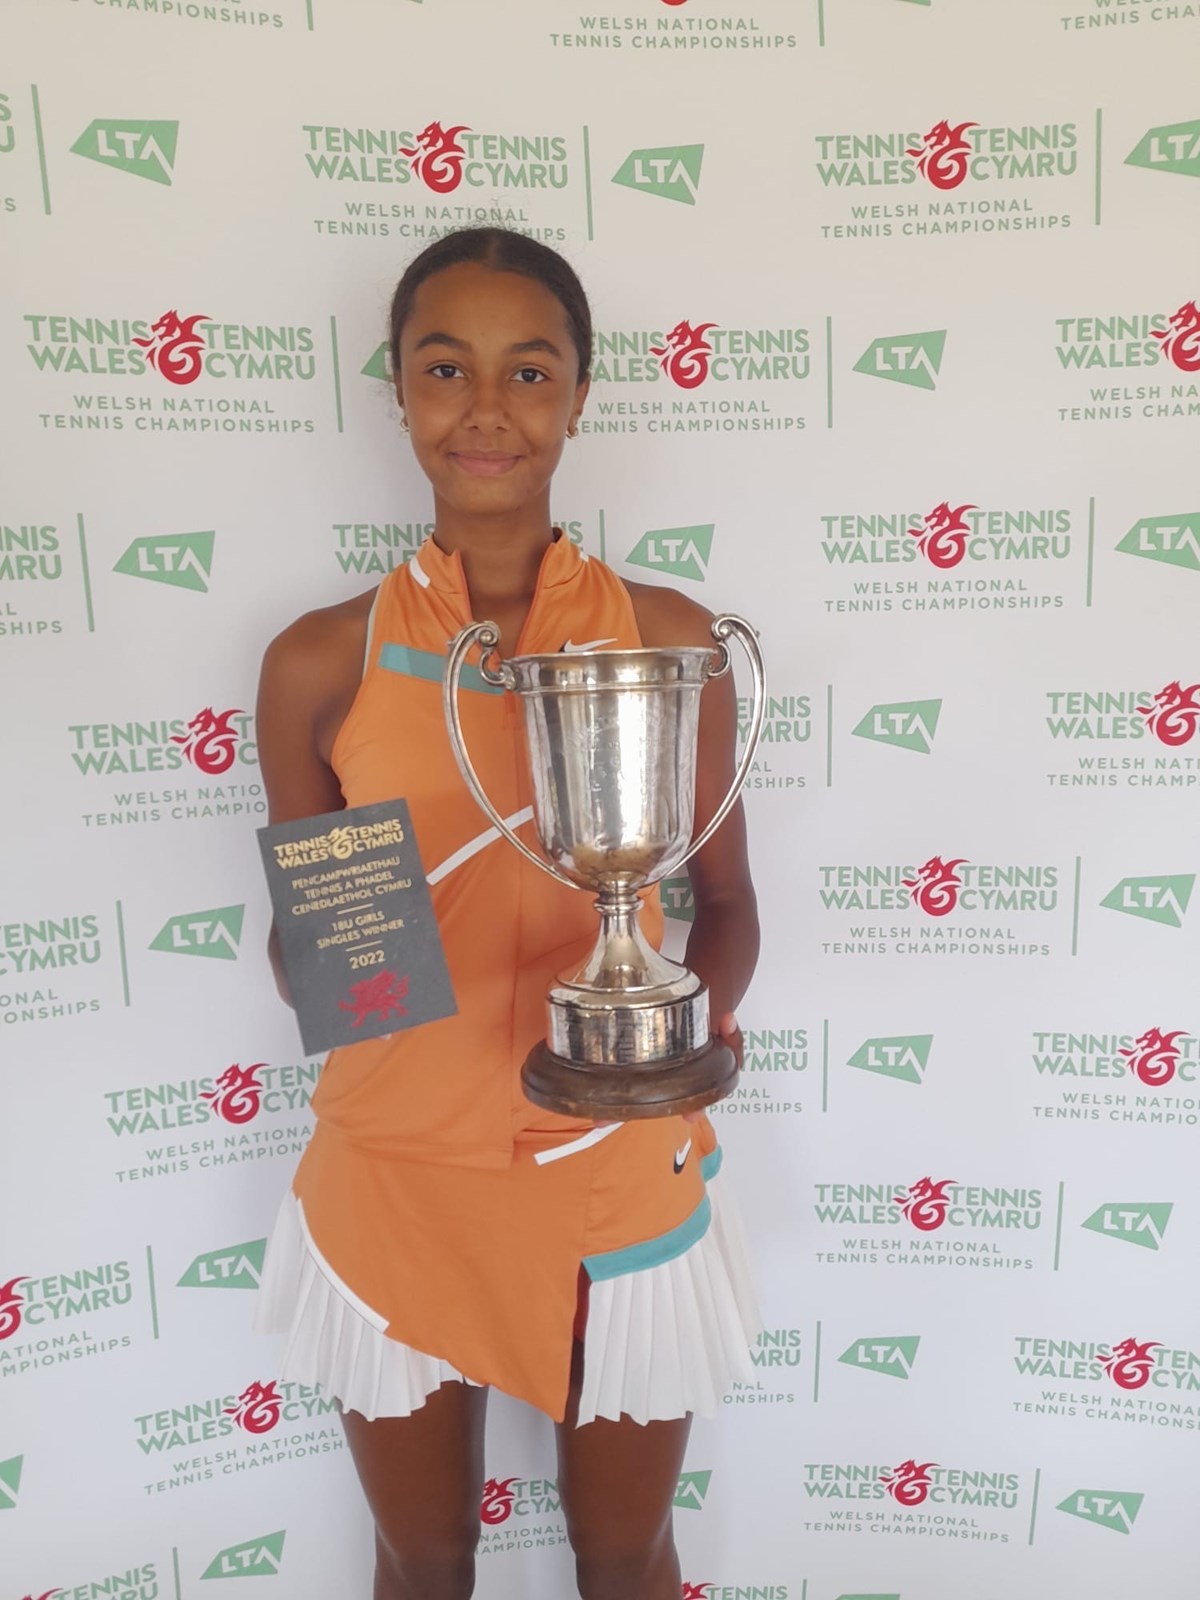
[(359, 941)]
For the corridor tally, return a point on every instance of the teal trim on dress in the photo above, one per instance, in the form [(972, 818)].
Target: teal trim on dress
[(711, 1165), (430, 666), (651, 1252)]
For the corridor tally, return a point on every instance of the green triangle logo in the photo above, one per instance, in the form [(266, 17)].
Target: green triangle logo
[(10, 1481), (379, 366), (906, 724), (912, 358), (683, 552), (1172, 148), (1162, 900), (905, 1057), (238, 1266), (675, 896), (256, 1558), (671, 172), (1175, 540), (691, 1490), (184, 560), (146, 149), (893, 1357), (1110, 1508), (202, 933), (1134, 1221)]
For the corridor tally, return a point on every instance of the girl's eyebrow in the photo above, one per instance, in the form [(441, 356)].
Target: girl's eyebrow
[(523, 348)]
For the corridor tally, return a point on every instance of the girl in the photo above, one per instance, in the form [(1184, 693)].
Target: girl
[(443, 1235)]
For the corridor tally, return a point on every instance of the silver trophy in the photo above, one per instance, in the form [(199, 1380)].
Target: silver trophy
[(612, 758)]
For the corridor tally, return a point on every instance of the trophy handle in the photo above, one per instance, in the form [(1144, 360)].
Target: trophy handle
[(487, 636), (723, 626)]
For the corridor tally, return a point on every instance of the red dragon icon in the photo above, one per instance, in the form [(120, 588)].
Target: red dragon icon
[(935, 888), (1154, 1056), (174, 347), (693, 1591), (1181, 338), (925, 1203), (384, 993), (238, 1095), (1129, 1363), (49, 1595), (209, 742), (908, 1483), (942, 154), (258, 1408), (1174, 715), (497, 1503), (437, 157), (10, 1306), (684, 357), (943, 537)]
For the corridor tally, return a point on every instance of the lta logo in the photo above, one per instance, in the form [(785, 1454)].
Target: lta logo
[(684, 356), (1180, 339), (943, 154), (1158, 899), (258, 1408), (926, 1203), (237, 1097), (1108, 1508), (437, 157), (909, 1484), (252, 1559), (174, 348), (935, 888), (1174, 714), (942, 536), (1154, 1056)]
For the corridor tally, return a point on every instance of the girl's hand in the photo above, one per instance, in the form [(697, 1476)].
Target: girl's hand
[(728, 1030)]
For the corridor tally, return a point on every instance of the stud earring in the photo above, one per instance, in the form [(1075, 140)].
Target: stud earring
[(572, 430), (403, 422)]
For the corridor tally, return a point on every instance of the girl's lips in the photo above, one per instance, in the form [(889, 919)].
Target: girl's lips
[(484, 466)]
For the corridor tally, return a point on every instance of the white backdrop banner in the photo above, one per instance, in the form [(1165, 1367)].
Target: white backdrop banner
[(898, 354)]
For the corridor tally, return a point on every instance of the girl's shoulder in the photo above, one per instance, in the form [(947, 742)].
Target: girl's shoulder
[(666, 617)]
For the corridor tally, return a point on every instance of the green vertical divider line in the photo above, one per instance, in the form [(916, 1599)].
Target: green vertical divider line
[(603, 557), (41, 147), (87, 576), (121, 948), (587, 179), (817, 1366), (804, 1589), (337, 374), (829, 372), (1037, 1482), (175, 1563), (1058, 1225), (153, 1296), (1091, 545), (309, 8), (1099, 118), (829, 736), (825, 1065), (821, 23), (1075, 912)]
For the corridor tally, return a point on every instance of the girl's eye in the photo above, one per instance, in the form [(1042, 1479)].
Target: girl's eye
[(531, 375), (443, 369)]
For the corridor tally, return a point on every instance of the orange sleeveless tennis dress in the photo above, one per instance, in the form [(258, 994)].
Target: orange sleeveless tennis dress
[(438, 1220)]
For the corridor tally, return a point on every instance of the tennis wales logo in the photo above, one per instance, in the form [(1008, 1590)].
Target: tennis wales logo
[(174, 348), (1175, 540), (437, 157), (1154, 1056), (671, 173), (1181, 338), (1129, 1363), (1162, 899), (1173, 148), (1134, 1221), (11, 1305), (1108, 1508), (216, 934), (252, 1559), (911, 358), (237, 1096), (258, 1408), (209, 742), (909, 1484), (145, 149), (684, 356), (935, 888), (925, 1203), (943, 154), (942, 537), (497, 1503), (183, 560), (1174, 714)]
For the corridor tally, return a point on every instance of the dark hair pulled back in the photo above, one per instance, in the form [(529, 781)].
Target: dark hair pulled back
[(501, 250)]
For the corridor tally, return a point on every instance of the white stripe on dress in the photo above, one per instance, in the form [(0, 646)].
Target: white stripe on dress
[(475, 845), (584, 1142), (418, 571)]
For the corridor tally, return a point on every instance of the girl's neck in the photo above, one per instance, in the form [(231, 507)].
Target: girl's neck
[(501, 558)]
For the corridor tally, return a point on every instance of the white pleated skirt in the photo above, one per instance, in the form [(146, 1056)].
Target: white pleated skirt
[(659, 1342)]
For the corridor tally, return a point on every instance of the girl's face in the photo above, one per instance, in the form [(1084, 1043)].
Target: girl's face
[(488, 384)]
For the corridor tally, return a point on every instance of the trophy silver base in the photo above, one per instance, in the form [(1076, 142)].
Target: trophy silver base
[(629, 1093)]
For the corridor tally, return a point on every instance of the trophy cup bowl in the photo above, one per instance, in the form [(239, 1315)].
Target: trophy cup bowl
[(612, 738)]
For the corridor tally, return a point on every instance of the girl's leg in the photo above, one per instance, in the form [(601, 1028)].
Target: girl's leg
[(423, 1478)]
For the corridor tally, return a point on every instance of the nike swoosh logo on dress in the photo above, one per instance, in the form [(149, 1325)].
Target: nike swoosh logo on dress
[(592, 644), (681, 1156)]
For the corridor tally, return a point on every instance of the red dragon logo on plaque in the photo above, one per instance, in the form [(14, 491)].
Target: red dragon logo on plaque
[(925, 1203), (935, 887), (1155, 1056), (909, 1484), (1181, 338), (943, 153), (258, 1408), (209, 742), (384, 993), (497, 1503), (1174, 714), (942, 537), (238, 1095), (1129, 1364), (684, 357), (437, 157), (173, 348)]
